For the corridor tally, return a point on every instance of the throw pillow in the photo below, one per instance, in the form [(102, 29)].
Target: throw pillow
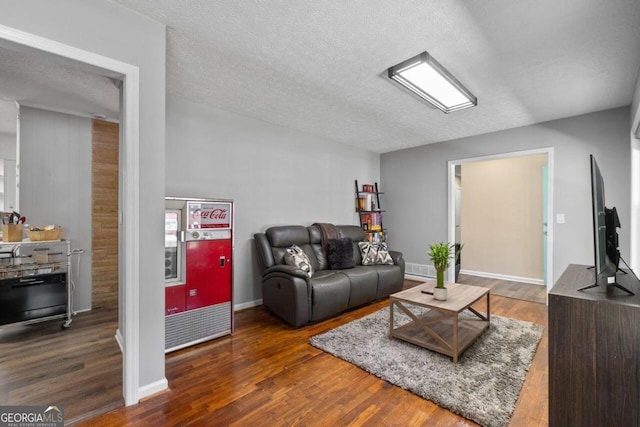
[(295, 257), (340, 253), (374, 253)]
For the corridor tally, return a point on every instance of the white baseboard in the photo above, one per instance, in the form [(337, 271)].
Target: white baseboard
[(528, 280), (119, 340), (254, 303), (153, 388), (418, 278), (149, 389)]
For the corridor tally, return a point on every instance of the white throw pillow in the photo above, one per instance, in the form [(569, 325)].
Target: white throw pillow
[(374, 253), (295, 257)]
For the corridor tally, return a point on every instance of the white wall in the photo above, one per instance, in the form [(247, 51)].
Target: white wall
[(110, 30), (8, 155), (635, 101), (415, 182), (502, 217), (276, 176), (55, 184), (8, 146), (635, 178)]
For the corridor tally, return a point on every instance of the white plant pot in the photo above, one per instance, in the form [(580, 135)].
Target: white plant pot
[(440, 294)]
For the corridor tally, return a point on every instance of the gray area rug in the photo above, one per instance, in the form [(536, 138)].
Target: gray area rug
[(483, 386)]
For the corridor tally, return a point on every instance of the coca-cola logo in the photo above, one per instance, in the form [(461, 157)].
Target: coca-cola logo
[(210, 217), (211, 213)]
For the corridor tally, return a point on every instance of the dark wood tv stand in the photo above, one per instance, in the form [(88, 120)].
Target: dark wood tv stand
[(594, 351)]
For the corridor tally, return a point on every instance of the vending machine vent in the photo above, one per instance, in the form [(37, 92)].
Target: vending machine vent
[(194, 326)]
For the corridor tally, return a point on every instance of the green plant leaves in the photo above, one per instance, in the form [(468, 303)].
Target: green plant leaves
[(441, 254)]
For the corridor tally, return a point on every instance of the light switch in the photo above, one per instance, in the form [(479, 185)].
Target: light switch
[(560, 218)]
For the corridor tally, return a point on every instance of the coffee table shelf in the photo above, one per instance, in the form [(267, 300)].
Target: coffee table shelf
[(441, 328)]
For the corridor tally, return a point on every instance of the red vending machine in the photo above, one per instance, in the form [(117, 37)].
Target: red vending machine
[(198, 270)]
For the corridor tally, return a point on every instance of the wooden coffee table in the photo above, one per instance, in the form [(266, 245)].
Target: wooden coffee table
[(441, 328)]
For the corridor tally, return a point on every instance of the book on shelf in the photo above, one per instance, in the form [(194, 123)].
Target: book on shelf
[(373, 221), (365, 220), (375, 237), (362, 203), (376, 219), (366, 203)]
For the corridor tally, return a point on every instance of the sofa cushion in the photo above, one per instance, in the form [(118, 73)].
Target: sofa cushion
[(282, 237), (340, 253), (315, 240), (390, 279), (329, 294), (374, 253), (355, 233), (287, 235), (295, 257), (363, 285)]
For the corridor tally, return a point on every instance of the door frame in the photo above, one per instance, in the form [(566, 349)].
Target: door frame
[(451, 188), (634, 232), (128, 234)]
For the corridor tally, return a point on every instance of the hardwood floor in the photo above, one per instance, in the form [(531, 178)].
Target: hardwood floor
[(78, 368), (509, 289), (266, 373)]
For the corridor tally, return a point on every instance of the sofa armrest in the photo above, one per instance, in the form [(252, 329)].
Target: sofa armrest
[(263, 251), (398, 260), (286, 296), (396, 256), (287, 269)]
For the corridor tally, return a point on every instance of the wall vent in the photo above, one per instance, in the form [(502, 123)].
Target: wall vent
[(422, 270)]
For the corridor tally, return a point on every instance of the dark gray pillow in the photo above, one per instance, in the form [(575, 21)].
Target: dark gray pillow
[(340, 253)]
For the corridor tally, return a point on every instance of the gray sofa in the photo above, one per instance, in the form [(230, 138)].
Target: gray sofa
[(299, 300)]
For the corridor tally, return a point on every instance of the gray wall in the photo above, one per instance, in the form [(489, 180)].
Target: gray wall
[(635, 178), (8, 154), (275, 175), (415, 182), (55, 184), (8, 146), (635, 102), (110, 30)]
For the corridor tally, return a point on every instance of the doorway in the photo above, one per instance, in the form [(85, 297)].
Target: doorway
[(128, 329), (454, 200)]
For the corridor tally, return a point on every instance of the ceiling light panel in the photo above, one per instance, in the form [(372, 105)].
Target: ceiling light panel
[(425, 77)]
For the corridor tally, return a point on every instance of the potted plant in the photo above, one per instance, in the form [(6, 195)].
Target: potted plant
[(441, 255)]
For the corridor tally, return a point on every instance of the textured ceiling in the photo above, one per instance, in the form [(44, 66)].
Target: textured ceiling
[(37, 81), (319, 67)]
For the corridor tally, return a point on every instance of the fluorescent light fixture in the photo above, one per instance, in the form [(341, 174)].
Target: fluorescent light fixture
[(425, 77)]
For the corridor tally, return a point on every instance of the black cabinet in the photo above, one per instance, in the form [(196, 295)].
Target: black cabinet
[(34, 297), (34, 282)]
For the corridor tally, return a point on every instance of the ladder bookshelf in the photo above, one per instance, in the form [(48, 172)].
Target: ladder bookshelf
[(370, 212)]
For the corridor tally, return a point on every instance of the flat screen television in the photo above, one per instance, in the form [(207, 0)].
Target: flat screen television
[(605, 234)]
